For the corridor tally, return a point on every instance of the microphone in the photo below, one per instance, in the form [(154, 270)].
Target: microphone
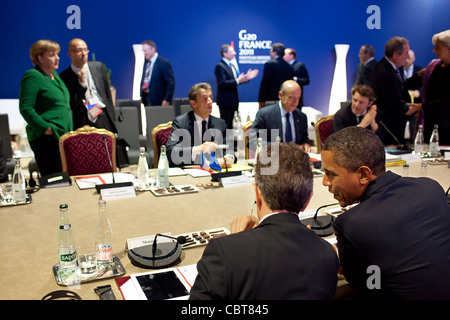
[(104, 137), (113, 184), (157, 255), (400, 146), (320, 224), (180, 240)]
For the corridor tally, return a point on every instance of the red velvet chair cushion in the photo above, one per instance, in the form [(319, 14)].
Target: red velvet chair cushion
[(162, 136), (325, 129), (86, 154)]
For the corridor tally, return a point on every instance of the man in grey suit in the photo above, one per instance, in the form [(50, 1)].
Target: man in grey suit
[(90, 93), (287, 121), (158, 81), (271, 256)]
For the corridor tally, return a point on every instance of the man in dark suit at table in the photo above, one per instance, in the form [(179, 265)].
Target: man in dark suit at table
[(197, 132), (300, 72), (228, 79), (158, 82), (273, 256), (275, 72), (394, 244), (359, 112), (289, 122), (88, 84), (391, 91)]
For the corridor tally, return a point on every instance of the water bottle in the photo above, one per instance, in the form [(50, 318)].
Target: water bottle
[(142, 170), (419, 143), (163, 169), (103, 236), (434, 142), (67, 253), (236, 124), (258, 149), (18, 180)]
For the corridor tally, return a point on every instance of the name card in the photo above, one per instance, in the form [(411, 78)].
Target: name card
[(235, 181), (118, 193)]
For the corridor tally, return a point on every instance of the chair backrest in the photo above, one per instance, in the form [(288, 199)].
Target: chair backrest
[(323, 128), (127, 126), (5, 134), (185, 108), (177, 103), (245, 128), (120, 103), (160, 136), (83, 151), (156, 115)]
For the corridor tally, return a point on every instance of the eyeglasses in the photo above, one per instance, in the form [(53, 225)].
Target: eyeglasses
[(81, 50)]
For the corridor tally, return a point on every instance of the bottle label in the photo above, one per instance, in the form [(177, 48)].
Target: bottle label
[(65, 227), (104, 252), (68, 257)]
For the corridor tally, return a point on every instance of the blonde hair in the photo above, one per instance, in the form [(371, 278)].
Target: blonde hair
[(40, 47), (443, 37)]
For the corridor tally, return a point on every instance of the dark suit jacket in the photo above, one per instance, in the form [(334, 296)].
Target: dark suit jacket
[(77, 94), (302, 75), (401, 225), (227, 88), (278, 260), (183, 137), (275, 72), (345, 117), (270, 118), (162, 83), (365, 76), (391, 101)]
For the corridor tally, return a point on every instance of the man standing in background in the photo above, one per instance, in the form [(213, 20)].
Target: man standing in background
[(158, 82)]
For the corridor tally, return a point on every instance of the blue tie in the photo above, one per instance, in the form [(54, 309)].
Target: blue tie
[(288, 129)]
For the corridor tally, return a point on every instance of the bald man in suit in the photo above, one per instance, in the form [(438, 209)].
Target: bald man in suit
[(87, 82)]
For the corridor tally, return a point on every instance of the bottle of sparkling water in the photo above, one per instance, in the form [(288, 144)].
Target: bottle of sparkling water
[(67, 253), (434, 142), (419, 143), (142, 170), (163, 169), (103, 236), (18, 183)]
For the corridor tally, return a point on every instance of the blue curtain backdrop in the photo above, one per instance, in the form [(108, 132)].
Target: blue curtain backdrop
[(189, 34)]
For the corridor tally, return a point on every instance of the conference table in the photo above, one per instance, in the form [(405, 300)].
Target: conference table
[(29, 232)]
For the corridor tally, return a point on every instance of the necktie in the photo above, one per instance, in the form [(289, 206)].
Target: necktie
[(400, 77), (203, 129), (288, 136)]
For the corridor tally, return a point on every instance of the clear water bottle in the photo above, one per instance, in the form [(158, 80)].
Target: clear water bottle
[(163, 169), (434, 142), (419, 143), (236, 124), (67, 253), (18, 181), (103, 236), (142, 170)]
